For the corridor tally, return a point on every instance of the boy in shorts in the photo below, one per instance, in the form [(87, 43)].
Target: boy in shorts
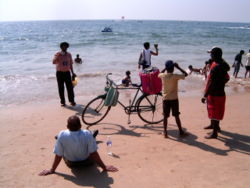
[(170, 94)]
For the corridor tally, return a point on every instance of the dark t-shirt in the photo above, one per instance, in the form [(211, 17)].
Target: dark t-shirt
[(217, 79), (238, 58)]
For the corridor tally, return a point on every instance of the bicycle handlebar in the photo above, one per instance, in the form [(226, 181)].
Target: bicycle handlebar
[(109, 81)]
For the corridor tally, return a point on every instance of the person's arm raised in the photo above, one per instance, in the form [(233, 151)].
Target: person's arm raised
[(179, 68), (157, 51)]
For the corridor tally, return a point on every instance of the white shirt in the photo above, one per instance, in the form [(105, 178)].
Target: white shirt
[(75, 145), (248, 59), (146, 55)]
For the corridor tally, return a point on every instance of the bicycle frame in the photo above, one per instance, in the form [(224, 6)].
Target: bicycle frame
[(132, 106), (140, 104)]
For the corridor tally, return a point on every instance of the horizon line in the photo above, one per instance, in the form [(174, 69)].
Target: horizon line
[(109, 19)]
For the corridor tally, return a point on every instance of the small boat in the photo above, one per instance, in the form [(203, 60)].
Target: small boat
[(107, 29)]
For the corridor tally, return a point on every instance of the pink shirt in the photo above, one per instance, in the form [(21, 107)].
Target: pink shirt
[(63, 61)]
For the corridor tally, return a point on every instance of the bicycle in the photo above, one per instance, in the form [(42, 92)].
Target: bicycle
[(148, 107)]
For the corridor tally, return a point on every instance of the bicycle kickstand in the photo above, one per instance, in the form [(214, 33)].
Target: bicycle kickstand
[(129, 113)]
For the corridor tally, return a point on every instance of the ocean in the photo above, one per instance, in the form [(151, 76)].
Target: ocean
[(27, 49)]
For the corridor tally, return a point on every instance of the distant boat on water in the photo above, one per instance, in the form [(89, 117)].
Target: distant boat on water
[(107, 29)]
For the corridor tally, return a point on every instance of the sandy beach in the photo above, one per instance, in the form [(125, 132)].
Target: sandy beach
[(143, 156)]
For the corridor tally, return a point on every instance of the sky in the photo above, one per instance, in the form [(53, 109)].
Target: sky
[(195, 10)]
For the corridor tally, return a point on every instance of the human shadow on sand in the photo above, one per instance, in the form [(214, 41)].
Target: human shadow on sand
[(191, 140), (173, 133), (77, 108), (88, 176), (236, 142)]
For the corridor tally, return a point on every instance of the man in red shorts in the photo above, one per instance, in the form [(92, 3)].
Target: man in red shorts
[(214, 93)]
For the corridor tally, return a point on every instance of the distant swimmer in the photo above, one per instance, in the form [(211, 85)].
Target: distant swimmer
[(237, 63), (248, 64), (78, 59), (145, 55)]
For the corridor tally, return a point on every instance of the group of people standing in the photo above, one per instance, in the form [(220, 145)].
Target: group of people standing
[(78, 147), (216, 72), (214, 94), (238, 63)]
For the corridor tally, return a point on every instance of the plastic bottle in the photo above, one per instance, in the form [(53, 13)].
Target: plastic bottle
[(109, 145)]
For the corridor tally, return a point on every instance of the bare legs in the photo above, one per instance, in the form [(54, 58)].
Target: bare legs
[(178, 122), (215, 125)]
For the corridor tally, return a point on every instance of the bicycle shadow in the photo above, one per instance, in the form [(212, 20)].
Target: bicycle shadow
[(114, 129), (88, 176)]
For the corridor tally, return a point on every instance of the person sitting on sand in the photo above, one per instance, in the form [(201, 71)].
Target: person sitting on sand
[(145, 55), (170, 94), (127, 80), (195, 70), (77, 147), (237, 63), (248, 64), (214, 93), (78, 59)]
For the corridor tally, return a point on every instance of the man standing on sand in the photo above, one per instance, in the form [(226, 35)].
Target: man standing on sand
[(170, 95), (64, 64), (77, 147), (214, 93), (248, 64), (145, 55), (238, 63)]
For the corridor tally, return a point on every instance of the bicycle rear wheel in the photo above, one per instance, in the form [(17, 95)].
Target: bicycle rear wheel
[(150, 108), (95, 111)]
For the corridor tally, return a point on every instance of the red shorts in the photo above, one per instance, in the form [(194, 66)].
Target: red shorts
[(216, 107)]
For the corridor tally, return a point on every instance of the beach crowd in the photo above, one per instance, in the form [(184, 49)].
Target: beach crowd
[(77, 147)]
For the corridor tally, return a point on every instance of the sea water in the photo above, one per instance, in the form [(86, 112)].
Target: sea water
[(27, 49)]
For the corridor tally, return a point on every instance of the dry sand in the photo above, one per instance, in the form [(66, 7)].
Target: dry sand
[(144, 158)]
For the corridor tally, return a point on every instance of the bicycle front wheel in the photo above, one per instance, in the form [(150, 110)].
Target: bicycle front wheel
[(95, 111), (150, 108)]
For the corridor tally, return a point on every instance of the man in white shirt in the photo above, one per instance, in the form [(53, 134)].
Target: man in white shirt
[(77, 147), (145, 55), (248, 64)]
